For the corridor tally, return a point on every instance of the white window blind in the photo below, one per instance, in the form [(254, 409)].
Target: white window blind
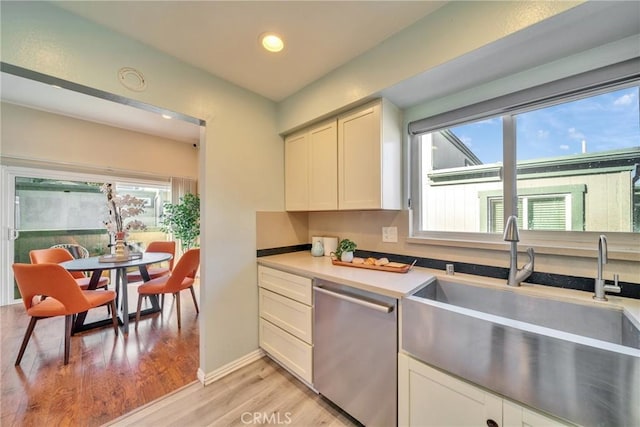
[(534, 213)]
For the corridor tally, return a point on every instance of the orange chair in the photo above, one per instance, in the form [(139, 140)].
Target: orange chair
[(181, 278), (155, 272), (65, 298), (58, 255)]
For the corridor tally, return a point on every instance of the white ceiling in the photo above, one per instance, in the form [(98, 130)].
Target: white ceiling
[(221, 37)]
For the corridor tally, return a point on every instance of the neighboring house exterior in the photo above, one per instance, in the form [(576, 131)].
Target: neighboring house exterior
[(568, 193)]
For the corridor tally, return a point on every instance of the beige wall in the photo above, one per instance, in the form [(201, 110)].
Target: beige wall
[(280, 229), (50, 138)]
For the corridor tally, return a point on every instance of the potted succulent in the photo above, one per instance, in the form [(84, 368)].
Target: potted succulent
[(344, 251)]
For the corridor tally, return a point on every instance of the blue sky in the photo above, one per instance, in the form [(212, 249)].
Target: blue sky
[(605, 122)]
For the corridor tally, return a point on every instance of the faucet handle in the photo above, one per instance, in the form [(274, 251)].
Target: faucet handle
[(615, 288), (531, 253), (616, 285), (532, 256)]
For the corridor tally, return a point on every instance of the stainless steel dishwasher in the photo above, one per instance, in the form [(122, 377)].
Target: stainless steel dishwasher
[(355, 352)]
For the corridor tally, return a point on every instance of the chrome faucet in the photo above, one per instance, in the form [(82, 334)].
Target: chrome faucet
[(511, 235), (601, 286)]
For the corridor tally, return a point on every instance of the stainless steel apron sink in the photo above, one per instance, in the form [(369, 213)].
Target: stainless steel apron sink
[(580, 362)]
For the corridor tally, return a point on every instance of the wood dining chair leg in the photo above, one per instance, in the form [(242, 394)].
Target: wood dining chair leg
[(177, 296), (140, 296), (68, 323), (193, 295), (114, 316), (25, 340)]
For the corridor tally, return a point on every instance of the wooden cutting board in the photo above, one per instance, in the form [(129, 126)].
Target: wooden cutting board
[(403, 269)]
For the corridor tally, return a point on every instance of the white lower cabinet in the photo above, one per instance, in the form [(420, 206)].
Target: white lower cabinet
[(430, 397), (286, 317), (287, 314), (292, 353)]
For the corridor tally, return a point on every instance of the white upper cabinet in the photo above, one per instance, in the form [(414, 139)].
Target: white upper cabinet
[(296, 172), (349, 163), (323, 167), (369, 157), (311, 169)]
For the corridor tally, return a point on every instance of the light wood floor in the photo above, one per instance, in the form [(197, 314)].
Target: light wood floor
[(107, 376), (261, 393)]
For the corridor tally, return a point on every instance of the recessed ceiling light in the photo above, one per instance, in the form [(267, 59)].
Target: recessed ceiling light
[(166, 116), (272, 42)]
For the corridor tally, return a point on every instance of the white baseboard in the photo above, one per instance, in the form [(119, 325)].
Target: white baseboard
[(210, 377)]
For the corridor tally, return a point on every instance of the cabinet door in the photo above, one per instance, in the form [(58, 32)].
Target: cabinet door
[(359, 161), (291, 352), (292, 316), (290, 285), (323, 167), (429, 397), (515, 415), (296, 172)]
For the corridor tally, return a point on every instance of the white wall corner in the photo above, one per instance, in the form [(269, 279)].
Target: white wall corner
[(208, 378)]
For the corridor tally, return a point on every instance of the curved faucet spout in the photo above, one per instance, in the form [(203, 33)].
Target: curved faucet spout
[(602, 254), (601, 287)]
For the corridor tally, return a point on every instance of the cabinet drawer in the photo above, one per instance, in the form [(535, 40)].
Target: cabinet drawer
[(287, 284), (290, 315), (293, 353)]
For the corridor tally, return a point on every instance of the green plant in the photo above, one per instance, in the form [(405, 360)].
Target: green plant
[(183, 220), (345, 245)]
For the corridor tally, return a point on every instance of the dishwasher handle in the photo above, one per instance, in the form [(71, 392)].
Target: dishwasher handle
[(379, 307)]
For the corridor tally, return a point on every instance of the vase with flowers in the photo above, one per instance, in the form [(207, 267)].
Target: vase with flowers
[(118, 222)]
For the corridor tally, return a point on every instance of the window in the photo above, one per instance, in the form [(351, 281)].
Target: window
[(456, 168), (593, 140), (154, 196), (564, 156), (78, 205)]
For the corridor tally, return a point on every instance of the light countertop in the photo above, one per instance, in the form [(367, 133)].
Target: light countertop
[(395, 285), (398, 285)]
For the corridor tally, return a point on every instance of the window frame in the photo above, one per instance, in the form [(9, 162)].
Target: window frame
[(592, 83)]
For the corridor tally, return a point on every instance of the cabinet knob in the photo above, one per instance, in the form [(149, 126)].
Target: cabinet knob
[(491, 423)]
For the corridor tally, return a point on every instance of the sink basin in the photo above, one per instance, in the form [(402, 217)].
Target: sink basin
[(579, 362), (592, 321)]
